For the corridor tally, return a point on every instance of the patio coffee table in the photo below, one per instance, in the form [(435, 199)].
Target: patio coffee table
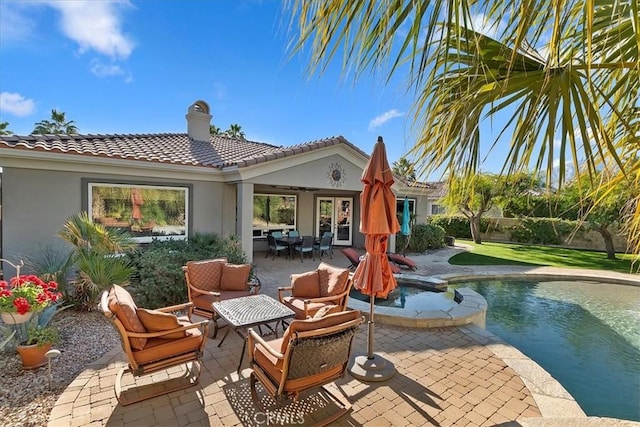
[(245, 312)]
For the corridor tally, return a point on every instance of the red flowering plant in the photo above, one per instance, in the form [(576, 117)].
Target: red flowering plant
[(27, 293)]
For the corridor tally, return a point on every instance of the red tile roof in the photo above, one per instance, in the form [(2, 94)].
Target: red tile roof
[(172, 148)]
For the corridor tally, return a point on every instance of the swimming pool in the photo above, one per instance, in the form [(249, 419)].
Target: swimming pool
[(585, 334)]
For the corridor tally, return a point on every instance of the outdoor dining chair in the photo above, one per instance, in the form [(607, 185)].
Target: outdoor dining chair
[(293, 233), (311, 354), (305, 247), (324, 247), (274, 246)]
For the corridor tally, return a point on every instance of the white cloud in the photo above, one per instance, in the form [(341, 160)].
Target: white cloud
[(383, 118), (15, 25), (16, 104), (95, 25), (105, 70)]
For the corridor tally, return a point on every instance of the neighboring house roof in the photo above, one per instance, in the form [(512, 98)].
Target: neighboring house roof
[(173, 148), (435, 190)]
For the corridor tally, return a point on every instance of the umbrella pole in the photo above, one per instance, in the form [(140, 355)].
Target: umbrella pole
[(372, 367), (371, 326)]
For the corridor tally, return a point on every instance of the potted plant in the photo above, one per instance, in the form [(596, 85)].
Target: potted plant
[(27, 304), (25, 295), (33, 350)]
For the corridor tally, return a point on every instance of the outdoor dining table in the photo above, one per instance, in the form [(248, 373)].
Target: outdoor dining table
[(289, 242), (245, 312)]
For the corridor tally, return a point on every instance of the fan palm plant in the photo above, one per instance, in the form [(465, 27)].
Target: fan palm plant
[(565, 74), (97, 256)]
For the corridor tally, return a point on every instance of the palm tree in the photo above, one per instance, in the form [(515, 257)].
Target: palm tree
[(214, 130), (56, 126), (4, 129), (404, 168), (565, 73), (235, 131)]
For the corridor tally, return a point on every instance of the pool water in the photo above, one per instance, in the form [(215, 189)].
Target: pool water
[(410, 297), (585, 334)]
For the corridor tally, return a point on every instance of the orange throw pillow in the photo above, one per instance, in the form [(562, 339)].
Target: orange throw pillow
[(206, 274), (235, 277), (333, 280), (306, 285), (157, 321)]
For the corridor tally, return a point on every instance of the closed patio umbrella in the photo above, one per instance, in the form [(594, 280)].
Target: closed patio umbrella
[(405, 227), (373, 275)]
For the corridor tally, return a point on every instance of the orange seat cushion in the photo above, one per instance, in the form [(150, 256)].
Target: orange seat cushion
[(122, 305), (306, 284), (204, 302), (401, 259), (326, 310), (206, 274), (297, 305), (235, 277), (157, 321), (160, 349), (333, 280)]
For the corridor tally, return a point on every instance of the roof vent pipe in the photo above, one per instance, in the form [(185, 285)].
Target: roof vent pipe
[(198, 121)]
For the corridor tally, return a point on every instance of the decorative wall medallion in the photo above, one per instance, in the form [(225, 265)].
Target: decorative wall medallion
[(336, 175)]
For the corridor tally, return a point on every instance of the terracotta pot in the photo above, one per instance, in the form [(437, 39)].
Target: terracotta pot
[(33, 356), (14, 318)]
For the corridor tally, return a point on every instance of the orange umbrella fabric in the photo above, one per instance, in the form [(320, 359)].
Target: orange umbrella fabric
[(377, 221)]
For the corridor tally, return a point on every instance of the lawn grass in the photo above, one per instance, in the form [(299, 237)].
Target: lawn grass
[(490, 253)]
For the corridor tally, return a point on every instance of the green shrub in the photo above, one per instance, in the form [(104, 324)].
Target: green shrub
[(423, 237), (456, 226), (545, 231), (159, 281)]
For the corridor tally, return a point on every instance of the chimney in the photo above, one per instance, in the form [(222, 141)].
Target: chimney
[(198, 121)]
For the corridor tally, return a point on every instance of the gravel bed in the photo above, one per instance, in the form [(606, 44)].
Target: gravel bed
[(26, 399)]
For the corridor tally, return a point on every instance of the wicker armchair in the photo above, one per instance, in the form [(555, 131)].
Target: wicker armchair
[(213, 280), (154, 340), (311, 354)]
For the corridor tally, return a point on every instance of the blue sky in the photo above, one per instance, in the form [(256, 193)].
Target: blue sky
[(136, 66)]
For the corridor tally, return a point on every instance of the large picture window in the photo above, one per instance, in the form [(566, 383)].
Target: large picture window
[(145, 211), (273, 212)]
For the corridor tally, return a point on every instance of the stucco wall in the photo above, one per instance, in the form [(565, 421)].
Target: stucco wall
[(36, 204)]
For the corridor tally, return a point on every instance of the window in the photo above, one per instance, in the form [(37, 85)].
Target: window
[(400, 208), (273, 212), (145, 211), (437, 209)]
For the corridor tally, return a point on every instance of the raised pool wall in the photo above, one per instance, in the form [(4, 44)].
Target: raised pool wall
[(471, 308)]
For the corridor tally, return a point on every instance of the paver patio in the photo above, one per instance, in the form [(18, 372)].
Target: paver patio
[(444, 377)]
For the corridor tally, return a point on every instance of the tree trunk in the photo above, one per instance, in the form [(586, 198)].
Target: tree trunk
[(608, 241), (474, 222)]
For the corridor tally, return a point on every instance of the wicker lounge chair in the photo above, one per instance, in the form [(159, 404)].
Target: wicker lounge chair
[(311, 354), (154, 340)]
